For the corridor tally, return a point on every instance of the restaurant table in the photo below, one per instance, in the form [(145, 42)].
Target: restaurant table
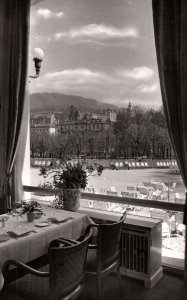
[(36, 243)]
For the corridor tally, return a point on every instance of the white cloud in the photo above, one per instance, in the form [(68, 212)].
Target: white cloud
[(58, 35), (94, 83), (148, 88), (139, 73), (96, 32), (60, 14), (83, 77), (42, 38), (47, 14), (69, 80), (74, 74), (78, 77)]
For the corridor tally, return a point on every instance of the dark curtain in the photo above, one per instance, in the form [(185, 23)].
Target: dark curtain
[(14, 27), (170, 28)]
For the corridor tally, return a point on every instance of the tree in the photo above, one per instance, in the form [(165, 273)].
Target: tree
[(138, 139), (120, 128)]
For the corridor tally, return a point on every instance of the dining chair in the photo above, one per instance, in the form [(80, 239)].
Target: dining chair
[(103, 256), (66, 275)]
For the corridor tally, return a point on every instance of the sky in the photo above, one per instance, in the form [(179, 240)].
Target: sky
[(100, 49)]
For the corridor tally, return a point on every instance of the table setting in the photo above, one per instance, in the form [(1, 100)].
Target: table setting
[(16, 224), (25, 240)]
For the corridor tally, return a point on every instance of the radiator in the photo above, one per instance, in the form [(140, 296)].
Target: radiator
[(141, 246), (135, 251)]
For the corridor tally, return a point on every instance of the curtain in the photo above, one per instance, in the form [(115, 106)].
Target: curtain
[(170, 28), (21, 166), (14, 25)]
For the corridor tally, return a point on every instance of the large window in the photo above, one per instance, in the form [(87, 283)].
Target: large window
[(100, 70), (100, 66)]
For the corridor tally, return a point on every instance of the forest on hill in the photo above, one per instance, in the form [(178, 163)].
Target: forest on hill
[(47, 102)]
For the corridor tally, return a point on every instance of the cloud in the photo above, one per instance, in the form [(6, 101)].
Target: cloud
[(60, 14), (42, 38), (148, 88), (139, 73), (97, 32), (112, 86), (75, 75), (48, 14), (77, 78)]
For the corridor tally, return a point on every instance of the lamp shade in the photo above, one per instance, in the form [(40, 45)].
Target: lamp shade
[(38, 53)]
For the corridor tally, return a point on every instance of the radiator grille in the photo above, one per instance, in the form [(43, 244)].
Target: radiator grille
[(135, 252)]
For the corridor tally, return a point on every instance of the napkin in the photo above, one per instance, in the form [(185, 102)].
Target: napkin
[(20, 232), (58, 220)]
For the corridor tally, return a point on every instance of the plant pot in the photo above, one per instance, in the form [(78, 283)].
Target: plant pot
[(30, 216), (71, 199), (38, 215)]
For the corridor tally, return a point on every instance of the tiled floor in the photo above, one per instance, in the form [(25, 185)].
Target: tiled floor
[(169, 287)]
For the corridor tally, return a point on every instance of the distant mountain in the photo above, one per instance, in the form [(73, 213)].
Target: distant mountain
[(47, 102)]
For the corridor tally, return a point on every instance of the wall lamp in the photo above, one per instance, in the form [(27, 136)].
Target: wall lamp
[(38, 58)]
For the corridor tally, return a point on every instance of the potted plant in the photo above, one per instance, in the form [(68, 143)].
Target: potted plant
[(68, 179), (31, 208)]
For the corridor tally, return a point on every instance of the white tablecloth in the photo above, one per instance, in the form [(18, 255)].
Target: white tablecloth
[(35, 245)]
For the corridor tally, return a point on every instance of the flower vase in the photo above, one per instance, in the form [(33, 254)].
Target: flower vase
[(71, 199), (30, 216)]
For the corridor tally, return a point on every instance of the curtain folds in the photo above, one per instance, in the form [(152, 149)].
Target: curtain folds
[(170, 27), (14, 32), (21, 177)]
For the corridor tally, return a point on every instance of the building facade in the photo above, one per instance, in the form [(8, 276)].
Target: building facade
[(82, 126), (55, 124)]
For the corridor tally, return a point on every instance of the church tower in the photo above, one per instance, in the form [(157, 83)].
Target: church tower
[(129, 109)]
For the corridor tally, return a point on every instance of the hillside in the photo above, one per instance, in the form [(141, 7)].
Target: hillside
[(45, 102)]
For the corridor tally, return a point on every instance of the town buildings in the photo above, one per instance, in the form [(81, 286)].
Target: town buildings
[(57, 123)]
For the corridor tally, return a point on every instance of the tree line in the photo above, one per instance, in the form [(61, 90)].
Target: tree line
[(141, 132)]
